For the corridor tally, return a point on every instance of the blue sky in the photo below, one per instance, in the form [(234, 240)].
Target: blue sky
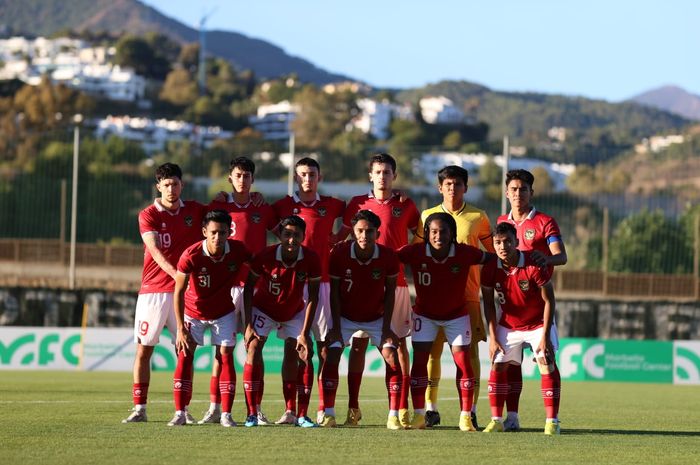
[(612, 49)]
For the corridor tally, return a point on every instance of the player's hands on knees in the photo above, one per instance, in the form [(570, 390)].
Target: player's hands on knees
[(494, 348), (546, 350), (183, 340), (250, 335), (304, 348)]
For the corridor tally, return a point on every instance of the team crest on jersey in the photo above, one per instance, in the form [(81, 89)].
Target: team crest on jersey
[(322, 211), (301, 276), (163, 226), (204, 270), (524, 285), (255, 218), (295, 211), (232, 266), (529, 234), (396, 212), (376, 273), (423, 266), (348, 272), (455, 268), (188, 220)]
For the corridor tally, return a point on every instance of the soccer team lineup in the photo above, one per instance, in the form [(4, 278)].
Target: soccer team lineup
[(334, 278)]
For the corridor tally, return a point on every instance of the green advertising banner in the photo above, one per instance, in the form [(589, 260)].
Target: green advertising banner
[(92, 349)]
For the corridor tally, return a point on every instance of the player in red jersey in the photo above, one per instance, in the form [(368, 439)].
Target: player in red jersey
[(398, 217), (526, 296), (167, 228), (363, 281), (539, 234), (206, 272), (250, 222), (440, 271), (278, 275), (319, 212)]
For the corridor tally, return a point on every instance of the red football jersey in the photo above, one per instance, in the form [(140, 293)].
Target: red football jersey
[(535, 232), (362, 283), (208, 294), (397, 219), (440, 285), (279, 291), (176, 231), (319, 216), (518, 291), (249, 224)]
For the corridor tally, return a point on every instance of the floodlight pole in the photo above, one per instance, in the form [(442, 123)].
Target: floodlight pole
[(77, 119), (290, 171), (506, 163)]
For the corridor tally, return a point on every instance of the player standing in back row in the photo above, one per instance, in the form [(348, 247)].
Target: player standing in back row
[(250, 223), (398, 218), (539, 234), (167, 228)]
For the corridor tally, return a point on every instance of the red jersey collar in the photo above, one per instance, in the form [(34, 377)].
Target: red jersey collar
[(161, 208), (521, 263), (374, 256), (529, 216), (451, 253), (206, 253), (229, 199), (296, 199), (278, 256)]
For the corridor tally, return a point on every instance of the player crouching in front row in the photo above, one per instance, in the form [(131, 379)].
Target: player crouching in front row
[(440, 270), (526, 297), (363, 281), (211, 267), (278, 275)]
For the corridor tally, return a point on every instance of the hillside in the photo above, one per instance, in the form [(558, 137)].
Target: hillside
[(525, 117), (44, 17), (672, 99)]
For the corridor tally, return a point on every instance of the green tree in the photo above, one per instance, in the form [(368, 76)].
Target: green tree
[(180, 89), (489, 178), (648, 242)]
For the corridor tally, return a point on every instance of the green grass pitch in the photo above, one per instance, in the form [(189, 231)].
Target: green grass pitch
[(74, 418)]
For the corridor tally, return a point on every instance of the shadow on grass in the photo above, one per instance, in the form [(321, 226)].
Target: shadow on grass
[(629, 432)]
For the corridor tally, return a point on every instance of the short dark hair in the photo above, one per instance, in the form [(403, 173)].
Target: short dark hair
[(293, 220), (505, 228), (453, 172), (521, 175), (242, 163), (308, 161), (368, 216), (217, 216), (440, 216), (382, 158), (168, 170)]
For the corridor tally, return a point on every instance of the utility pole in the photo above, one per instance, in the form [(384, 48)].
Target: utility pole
[(506, 163), (77, 119), (202, 72)]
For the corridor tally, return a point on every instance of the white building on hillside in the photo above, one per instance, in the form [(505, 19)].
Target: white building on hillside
[(431, 163), (375, 117), (70, 62), (440, 110), (154, 135), (273, 120)]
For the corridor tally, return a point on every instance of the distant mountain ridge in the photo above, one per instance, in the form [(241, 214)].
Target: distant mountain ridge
[(673, 99), (44, 17)]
